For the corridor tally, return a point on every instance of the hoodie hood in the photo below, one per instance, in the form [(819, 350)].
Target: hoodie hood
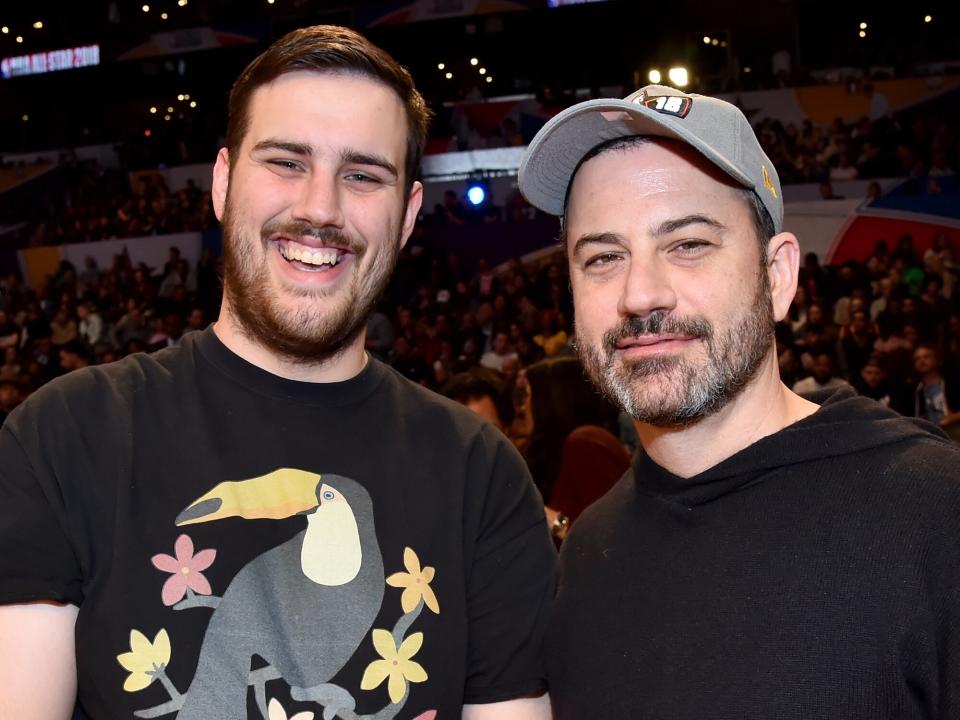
[(846, 423)]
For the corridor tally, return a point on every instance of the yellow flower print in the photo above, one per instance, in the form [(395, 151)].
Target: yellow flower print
[(145, 660), (275, 711), (396, 665), (415, 583)]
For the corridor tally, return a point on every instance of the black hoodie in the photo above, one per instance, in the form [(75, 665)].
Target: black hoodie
[(814, 574)]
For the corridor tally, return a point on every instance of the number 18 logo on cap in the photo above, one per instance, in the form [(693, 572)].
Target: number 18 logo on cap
[(667, 104)]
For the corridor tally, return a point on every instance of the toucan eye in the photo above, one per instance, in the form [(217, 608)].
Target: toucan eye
[(327, 495)]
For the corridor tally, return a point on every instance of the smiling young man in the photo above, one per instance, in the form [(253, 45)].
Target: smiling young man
[(766, 556), (264, 521)]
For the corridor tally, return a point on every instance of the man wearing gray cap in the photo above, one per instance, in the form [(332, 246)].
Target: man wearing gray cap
[(767, 555)]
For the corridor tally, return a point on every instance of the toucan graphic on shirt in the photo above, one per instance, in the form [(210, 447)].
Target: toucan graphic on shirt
[(304, 607)]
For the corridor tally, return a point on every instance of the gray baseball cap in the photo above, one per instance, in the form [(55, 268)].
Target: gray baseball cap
[(716, 129)]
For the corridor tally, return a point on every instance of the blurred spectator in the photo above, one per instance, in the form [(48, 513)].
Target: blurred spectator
[(935, 397), (499, 353), (822, 377), (90, 327), (485, 393)]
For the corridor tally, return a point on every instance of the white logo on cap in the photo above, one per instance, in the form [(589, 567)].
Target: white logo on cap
[(676, 105)]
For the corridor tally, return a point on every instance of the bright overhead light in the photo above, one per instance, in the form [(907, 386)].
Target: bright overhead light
[(928, 18), (449, 75), (863, 33), (474, 61), (714, 42), (163, 16), (5, 30), (146, 8), (19, 38), (25, 118), (170, 109), (153, 111), (863, 26), (180, 98), (748, 69), (654, 76), (166, 117), (270, 2), (706, 39), (441, 66), (186, 97), (38, 25), (489, 78), (483, 71), (193, 103), (678, 76), (182, 3)]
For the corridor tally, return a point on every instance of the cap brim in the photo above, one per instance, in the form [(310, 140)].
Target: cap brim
[(556, 151)]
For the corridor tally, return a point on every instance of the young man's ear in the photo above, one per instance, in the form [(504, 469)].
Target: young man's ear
[(783, 269), (221, 182), (414, 201)]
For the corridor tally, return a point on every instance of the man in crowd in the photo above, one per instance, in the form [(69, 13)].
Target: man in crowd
[(767, 555), (263, 520)]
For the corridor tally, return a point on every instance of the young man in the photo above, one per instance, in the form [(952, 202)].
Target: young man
[(263, 521), (766, 556)]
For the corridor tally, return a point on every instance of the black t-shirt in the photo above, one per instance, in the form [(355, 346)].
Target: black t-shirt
[(814, 575), (233, 538)]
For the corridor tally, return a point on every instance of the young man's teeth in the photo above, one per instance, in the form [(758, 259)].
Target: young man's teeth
[(310, 257)]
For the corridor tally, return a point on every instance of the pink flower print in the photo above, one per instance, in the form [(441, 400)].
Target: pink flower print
[(185, 570)]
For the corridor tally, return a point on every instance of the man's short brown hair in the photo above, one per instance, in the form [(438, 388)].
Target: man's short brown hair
[(329, 49)]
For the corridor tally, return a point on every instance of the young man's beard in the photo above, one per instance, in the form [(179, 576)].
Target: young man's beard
[(671, 391), (308, 334)]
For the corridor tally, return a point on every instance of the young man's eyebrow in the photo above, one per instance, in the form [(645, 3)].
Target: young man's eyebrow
[(294, 148)]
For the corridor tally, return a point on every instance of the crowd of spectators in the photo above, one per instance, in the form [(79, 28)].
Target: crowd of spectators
[(924, 144), (100, 204), (889, 327), (499, 339)]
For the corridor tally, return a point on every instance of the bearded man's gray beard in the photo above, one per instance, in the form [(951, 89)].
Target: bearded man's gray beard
[(671, 391), (306, 335)]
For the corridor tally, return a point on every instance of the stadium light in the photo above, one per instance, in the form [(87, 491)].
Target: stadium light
[(5, 30), (193, 103), (489, 78), (38, 25), (153, 111), (483, 71), (477, 193), (449, 76), (654, 76), (863, 33), (679, 76), (25, 117), (748, 69), (19, 38), (170, 109), (714, 42), (474, 61), (163, 16), (928, 18), (706, 39), (441, 66), (182, 3), (146, 8), (863, 26)]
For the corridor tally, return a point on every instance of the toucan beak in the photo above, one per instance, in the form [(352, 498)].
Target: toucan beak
[(276, 495)]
